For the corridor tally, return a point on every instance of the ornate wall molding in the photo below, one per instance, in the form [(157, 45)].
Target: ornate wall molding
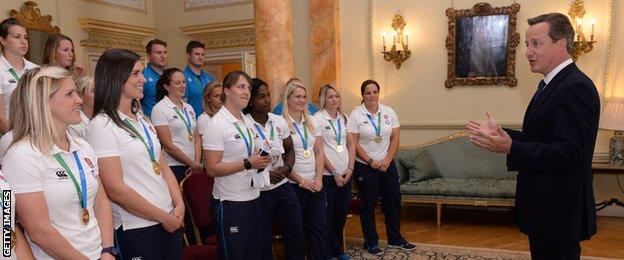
[(107, 35), (448, 125), (130, 5), (30, 16), (223, 35), (190, 5)]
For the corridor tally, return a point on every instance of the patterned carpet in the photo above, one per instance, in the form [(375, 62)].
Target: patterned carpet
[(431, 251)]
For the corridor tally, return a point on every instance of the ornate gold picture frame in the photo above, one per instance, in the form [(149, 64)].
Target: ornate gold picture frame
[(481, 45)]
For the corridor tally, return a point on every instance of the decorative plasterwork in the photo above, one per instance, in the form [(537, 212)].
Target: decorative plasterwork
[(449, 125), (190, 5), (30, 16), (223, 35), (108, 35), (132, 5)]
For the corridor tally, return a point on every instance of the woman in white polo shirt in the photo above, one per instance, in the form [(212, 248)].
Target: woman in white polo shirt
[(231, 156), (147, 203), (59, 199), (14, 42), (339, 158), (307, 174), (279, 201), (212, 104), (176, 125), (375, 128), (19, 248), (84, 88)]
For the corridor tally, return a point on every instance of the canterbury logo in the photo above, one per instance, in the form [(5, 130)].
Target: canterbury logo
[(61, 174)]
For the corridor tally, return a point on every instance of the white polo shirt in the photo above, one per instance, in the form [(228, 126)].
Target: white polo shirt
[(110, 140), (305, 167), (8, 82), (28, 170), (164, 114), (221, 135), (4, 186), (359, 123), (274, 146), (80, 129), (340, 160), (202, 122), (5, 141)]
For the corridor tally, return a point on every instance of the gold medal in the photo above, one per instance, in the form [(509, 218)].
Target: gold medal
[(84, 216), (156, 168), (377, 139), (306, 153), (190, 137), (13, 239), (339, 148)]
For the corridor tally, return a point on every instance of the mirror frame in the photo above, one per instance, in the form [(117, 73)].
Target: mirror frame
[(513, 38)]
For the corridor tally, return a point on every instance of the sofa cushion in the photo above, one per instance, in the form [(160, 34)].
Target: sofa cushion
[(456, 187), (404, 160), (424, 168), (458, 158)]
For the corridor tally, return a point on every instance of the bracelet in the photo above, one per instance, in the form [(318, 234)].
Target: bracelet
[(370, 160)]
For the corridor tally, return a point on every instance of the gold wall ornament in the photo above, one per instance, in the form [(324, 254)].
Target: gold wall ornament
[(481, 45), (109, 35), (399, 37), (223, 35), (30, 16), (581, 44)]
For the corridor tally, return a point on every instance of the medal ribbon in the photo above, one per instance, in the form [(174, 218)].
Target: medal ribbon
[(149, 145), (187, 122), (14, 74), (261, 132), (80, 189), (304, 139), (377, 126), (339, 133), (248, 143)]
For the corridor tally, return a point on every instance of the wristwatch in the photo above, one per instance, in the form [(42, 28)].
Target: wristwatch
[(334, 173), (289, 167), (247, 164), (110, 250)]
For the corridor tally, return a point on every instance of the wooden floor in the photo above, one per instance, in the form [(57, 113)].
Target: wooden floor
[(486, 228)]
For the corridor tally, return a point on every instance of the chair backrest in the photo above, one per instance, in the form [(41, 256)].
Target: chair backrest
[(197, 192)]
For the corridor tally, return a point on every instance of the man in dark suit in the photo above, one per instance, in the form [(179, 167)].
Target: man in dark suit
[(554, 150)]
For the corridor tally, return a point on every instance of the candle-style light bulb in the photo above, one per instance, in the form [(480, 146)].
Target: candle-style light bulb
[(593, 23), (407, 33), (383, 37)]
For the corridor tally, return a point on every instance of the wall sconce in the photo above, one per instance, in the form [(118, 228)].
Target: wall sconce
[(399, 37), (581, 44)]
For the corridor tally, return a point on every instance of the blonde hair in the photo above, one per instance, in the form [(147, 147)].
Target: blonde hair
[(84, 84), (207, 90), (291, 85), (323, 95), (32, 116)]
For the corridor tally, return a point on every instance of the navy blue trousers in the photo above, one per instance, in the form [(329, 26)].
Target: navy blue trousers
[(372, 183), (239, 227), (179, 172), (153, 242), (337, 207), (281, 205), (314, 212), (549, 250)]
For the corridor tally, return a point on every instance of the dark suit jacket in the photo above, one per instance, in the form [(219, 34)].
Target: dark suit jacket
[(553, 154)]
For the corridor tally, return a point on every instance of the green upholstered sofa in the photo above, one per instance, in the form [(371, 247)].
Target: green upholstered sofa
[(451, 171)]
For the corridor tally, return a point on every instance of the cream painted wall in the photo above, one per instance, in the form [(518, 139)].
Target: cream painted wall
[(66, 13), (170, 16), (417, 91)]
